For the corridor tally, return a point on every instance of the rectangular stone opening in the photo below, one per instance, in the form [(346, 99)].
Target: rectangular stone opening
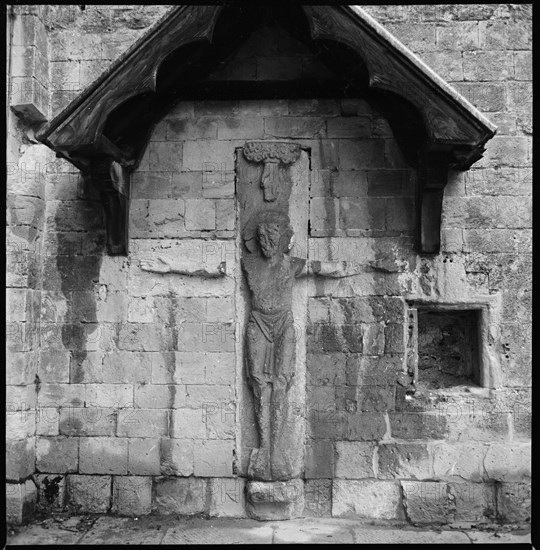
[(448, 348)]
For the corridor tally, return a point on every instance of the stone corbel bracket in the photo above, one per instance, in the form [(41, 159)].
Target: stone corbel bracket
[(112, 180), (272, 154)]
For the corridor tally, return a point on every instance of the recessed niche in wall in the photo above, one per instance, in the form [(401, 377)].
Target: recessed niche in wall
[(448, 348)]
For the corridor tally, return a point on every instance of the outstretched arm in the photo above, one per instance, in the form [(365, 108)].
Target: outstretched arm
[(163, 265), (336, 270)]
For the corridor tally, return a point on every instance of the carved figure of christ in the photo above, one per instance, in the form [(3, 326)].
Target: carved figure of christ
[(271, 337)]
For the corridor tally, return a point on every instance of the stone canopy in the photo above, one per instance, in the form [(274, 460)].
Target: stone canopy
[(105, 130)]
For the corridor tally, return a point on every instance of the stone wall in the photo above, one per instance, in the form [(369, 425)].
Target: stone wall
[(134, 395)]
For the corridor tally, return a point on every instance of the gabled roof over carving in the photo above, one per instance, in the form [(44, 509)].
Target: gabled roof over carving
[(112, 119)]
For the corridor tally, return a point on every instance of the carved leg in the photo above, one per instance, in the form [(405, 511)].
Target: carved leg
[(259, 467), (282, 408)]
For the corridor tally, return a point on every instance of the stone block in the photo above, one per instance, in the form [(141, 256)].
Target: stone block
[(458, 36), (327, 424), (182, 129), (166, 218), (54, 366), (184, 496), (21, 501), (365, 426), (463, 460), (326, 369), (373, 339), (366, 214), (225, 214), (187, 185), (417, 425), (506, 35), (324, 216), (248, 127), (177, 457), (205, 396), (20, 459), (47, 421), (52, 492), (165, 156), (318, 498), (188, 423), (404, 461), (201, 154), (319, 459), (361, 154), (178, 367), (226, 496), (200, 214), (89, 494), (349, 127), (220, 368), (354, 460), (473, 502), (363, 370), (294, 127), (20, 425), (103, 455), (367, 499), (523, 65), (514, 502), (144, 337), (427, 502), (143, 456), (400, 214), (508, 462), (57, 454), (127, 367), (213, 458), (481, 66), (109, 395), (132, 495), (365, 398), (142, 422)]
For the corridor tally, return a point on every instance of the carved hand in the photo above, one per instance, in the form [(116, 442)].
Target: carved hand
[(160, 265)]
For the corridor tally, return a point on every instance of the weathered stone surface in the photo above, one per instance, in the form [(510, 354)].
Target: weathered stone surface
[(427, 502), (473, 502), (226, 497), (366, 499), (463, 460), (103, 455), (176, 457), (354, 460), (404, 461), (508, 462), (57, 454), (51, 491), (89, 494), (319, 459), (20, 501), (514, 502), (20, 459), (275, 500), (132, 495), (185, 496), (213, 458), (318, 497)]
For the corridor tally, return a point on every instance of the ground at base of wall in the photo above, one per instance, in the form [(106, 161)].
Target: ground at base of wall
[(172, 529)]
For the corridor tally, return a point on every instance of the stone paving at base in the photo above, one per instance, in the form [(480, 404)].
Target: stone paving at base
[(96, 530)]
